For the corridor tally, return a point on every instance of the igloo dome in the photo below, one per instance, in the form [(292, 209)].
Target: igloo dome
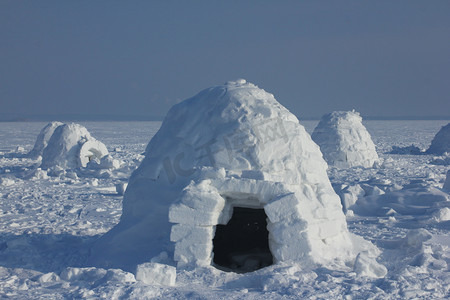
[(71, 146), (43, 138), (344, 141), (441, 141), (230, 179)]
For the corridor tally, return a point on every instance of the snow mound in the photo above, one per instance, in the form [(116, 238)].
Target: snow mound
[(441, 141), (408, 201), (227, 155), (71, 146), (344, 141), (43, 138)]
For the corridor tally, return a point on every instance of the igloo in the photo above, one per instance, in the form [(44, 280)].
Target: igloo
[(43, 138), (71, 146), (231, 179), (344, 141), (441, 141)]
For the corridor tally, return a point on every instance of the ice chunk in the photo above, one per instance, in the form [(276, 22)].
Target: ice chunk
[(48, 277), (120, 187), (416, 237), (446, 186), (368, 266)]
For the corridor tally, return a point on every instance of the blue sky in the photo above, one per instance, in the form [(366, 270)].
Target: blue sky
[(138, 58)]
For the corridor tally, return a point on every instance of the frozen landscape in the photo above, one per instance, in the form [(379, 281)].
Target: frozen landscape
[(48, 224), (115, 185)]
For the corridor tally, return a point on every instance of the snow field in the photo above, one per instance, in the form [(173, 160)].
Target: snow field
[(48, 224)]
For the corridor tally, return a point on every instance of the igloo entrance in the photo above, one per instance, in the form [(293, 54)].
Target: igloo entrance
[(242, 245)]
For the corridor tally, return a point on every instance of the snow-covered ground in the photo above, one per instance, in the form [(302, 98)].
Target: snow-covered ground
[(48, 223)]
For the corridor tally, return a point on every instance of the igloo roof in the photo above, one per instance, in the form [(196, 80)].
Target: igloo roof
[(441, 141), (231, 145), (237, 126), (344, 141), (71, 146)]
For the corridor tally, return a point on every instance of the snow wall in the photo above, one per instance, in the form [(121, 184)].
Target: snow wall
[(70, 146), (229, 146), (441, 141), (344, 141)]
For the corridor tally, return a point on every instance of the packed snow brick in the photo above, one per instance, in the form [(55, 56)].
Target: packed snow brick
[(156, 274), (231, 179), (344, 141), (71, 146), (441, 141)]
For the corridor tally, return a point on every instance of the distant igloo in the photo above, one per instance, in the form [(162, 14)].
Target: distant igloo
[(441, 141), (71, 146), (344, 141), (230, 179), (43, 138)]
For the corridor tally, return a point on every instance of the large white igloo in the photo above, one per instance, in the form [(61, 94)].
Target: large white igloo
[(441, 141), (230, 154), (71, 146), (344, 141), (42, 139)]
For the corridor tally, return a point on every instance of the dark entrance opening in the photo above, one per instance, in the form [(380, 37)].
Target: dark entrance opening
[(243, 245)]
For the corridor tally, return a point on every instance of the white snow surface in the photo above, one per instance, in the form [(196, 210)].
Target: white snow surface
[(229, 146), (441, 141), (344, 141), (48, 224)]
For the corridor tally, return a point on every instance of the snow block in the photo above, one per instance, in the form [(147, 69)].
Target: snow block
[(186, 251), (297, 249), (198, 234), (282, 208), (283, 233), (180, 213), (156, 274), (202, 197)]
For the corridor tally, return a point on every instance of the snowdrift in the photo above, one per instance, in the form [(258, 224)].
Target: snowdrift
[(344, 141), (70, 146), (227, 161), (441, 141)]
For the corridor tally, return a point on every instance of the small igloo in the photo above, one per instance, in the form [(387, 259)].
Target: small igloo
[(43, 138), (71, 146), (231, 179), (441, 141), (344, 141)]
